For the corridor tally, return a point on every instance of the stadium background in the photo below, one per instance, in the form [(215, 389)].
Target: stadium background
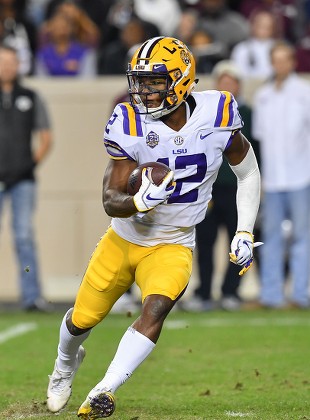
[(70, 218)]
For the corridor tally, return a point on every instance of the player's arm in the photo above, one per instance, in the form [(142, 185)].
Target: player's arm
[(43, 128), (116, 201), (44, 146), (242, 160), (237, 149)]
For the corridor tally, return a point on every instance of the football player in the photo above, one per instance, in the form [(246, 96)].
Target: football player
[(152, 234)]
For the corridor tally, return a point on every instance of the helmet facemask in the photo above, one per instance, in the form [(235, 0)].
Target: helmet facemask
[(139, 92)]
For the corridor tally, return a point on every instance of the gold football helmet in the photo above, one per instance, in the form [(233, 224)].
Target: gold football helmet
[(162, 57)]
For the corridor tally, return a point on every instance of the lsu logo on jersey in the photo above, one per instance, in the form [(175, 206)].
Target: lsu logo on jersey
[(179, 151)]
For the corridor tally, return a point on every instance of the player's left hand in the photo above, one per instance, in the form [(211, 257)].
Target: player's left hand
[(241, 248)]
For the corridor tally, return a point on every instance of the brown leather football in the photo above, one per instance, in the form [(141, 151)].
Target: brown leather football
[(156, 173)]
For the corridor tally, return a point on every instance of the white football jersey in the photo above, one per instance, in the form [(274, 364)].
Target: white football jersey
[(194, 153)]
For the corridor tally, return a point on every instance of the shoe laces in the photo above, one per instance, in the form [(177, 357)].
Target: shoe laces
[(59, 381)]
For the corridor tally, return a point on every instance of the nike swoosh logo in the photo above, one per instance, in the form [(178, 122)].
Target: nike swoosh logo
[(203, 137), (148, 197)]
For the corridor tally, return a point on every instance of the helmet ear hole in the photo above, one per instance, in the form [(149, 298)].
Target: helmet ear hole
[(177, 74)]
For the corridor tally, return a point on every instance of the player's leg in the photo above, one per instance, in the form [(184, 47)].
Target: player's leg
[(2, 198), (162, 276), (299, 203), (103, 283), (206, 234), (272, 252), (228, 214), (70, 355), (23, 197)]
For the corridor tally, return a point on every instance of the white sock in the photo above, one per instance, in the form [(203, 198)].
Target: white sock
[(133, 348), (68, 347)]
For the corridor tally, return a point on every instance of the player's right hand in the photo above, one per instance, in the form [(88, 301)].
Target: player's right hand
[(150, 195)]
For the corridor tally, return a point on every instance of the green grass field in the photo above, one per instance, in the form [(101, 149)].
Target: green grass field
[(210, 366)]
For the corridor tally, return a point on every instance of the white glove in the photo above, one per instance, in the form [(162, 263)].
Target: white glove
[(241, 248), (150, 195)]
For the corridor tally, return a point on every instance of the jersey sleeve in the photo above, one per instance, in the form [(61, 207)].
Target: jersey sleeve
[(121, 132), (227, 116)]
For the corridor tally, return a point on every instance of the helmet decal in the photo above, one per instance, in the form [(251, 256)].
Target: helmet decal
[(185, 57)]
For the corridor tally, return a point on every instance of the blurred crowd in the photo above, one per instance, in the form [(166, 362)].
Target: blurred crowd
[(85, 38)]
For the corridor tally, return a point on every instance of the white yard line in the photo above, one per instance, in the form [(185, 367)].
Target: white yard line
[(17, 330), (33, 416), (237, 414), (252, 322), (176, 324), (17, 416)]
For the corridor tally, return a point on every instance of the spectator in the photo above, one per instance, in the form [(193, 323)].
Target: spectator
[(222, 211), (63, 55), (113, 59), (18, 33), (287, 14), (281, 123), (51, 7), (303, 53), (22, 112), (120, 13), (224, 26), (166, 20), (206, 52), (85, 30), (253, 55), (98, 11), (187, 25), (34, 10)]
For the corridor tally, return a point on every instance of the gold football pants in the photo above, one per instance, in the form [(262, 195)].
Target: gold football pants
[(116, 263)]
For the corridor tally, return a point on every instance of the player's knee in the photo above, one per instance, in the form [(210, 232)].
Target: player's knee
[(157, 307), (81, 321), (73, 328)]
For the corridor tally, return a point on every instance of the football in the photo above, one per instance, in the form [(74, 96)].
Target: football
[(157, 172)]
